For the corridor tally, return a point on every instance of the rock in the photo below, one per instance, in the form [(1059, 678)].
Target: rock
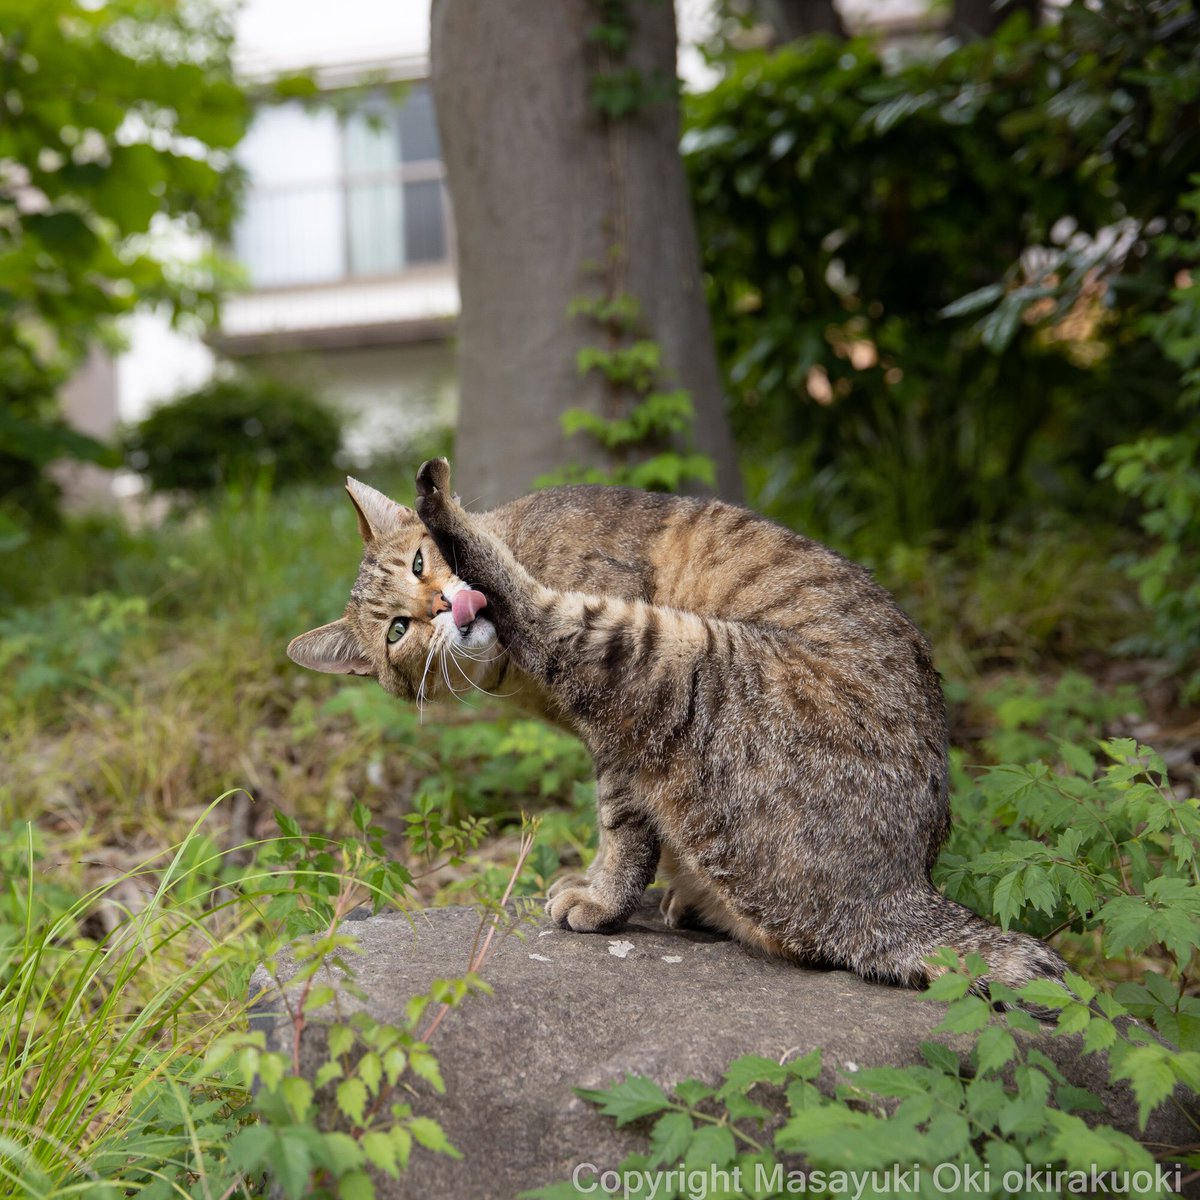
[(581, 1010)]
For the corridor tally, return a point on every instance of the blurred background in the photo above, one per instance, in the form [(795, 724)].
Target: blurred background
[(917, 278), (913, 278)]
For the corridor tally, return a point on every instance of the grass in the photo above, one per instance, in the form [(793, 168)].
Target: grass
[(103, 1031)]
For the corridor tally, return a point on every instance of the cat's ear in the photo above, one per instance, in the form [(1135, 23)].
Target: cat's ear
[(332, 648), (377, 515)]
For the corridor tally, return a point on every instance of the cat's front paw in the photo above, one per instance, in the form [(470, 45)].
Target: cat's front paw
[(433, 475), (437, 508), (573, 880), (583, 910)]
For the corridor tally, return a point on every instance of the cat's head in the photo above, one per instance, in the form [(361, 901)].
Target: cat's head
[(399, 625)]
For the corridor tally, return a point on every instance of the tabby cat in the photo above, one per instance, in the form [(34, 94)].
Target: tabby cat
[(767, 726)]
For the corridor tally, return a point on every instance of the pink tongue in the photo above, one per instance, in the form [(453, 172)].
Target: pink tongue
[(465, 605)]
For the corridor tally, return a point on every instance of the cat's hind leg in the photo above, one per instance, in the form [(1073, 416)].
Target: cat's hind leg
[(603, 900), (691, 902)]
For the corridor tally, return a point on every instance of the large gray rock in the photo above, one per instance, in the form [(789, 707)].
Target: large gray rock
[(572, 1010)]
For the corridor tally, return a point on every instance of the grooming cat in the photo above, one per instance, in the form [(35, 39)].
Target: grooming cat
[(767, 726)]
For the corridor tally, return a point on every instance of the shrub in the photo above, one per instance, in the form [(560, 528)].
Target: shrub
[(234, 430), (1160, 471), (857, 220)]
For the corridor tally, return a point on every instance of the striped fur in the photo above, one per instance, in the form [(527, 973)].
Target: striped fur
[(767, 726)]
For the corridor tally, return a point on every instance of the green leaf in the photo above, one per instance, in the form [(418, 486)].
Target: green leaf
[(426, 1066), (370, 1071), (297, 1095), (249, 1149), (356, 1185), (743, 1073), (318, 997), (352, 1099), (973, 301), (712, 1146), (340, 1039), (994, 1048), (965, 1015), (670, 1139), (634, 1097), (431, 1135), (380, 1149), (693, 1091), (939, 1056), (1150, 1075), (291, 1162)]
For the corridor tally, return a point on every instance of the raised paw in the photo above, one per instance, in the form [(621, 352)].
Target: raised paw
[(584, 911), (433, 476)]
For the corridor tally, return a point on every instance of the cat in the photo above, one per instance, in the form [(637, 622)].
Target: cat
[(767, 726)]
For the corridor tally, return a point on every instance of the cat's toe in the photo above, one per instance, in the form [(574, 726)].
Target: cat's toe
[(433, 476), (674, 910), (578, 909), (573, 880)]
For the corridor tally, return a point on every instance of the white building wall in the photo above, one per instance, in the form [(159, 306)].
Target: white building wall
[(274, 37)]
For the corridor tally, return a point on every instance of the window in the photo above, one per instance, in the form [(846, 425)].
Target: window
[(333, 198)]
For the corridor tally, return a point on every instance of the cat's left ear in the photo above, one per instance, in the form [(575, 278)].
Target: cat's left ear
[(332, 648), (377, 515)]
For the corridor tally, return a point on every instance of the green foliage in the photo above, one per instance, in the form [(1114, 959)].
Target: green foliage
[(1089, 844), (82, 185), (617, 89), (1161, 471), (1009, 598), (644, 423), (91, 1084), (473, 767), (1103, 847), (1030, 719), (231, 431), (71, 642), (972, 1124), (857, 219)]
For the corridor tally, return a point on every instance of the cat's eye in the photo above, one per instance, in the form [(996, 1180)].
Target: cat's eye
[(396, 630), (418, 564)]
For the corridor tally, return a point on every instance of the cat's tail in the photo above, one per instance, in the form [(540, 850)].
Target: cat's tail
[(923, 921)]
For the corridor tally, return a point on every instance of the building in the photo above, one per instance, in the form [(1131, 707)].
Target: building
[(346, 240)]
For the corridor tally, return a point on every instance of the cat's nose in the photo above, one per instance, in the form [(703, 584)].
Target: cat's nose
[(440, 605)]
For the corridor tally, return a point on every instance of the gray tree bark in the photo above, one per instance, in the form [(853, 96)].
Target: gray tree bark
[(983, 17), (792, 19), (542, 188)]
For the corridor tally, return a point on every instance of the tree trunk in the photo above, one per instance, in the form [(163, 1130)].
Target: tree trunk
[(543, 188), (792, 19), (983, 17)]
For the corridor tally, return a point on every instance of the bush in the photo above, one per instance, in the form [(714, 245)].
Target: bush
[(857, 220), (1160, 471), (234, 430)]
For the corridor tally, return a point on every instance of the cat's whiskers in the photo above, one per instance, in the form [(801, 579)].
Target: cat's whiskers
[(487, 662), (421, 697), (446, 674)]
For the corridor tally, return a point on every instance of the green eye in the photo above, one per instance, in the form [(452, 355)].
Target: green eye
[(396, 630), (418, 564)]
